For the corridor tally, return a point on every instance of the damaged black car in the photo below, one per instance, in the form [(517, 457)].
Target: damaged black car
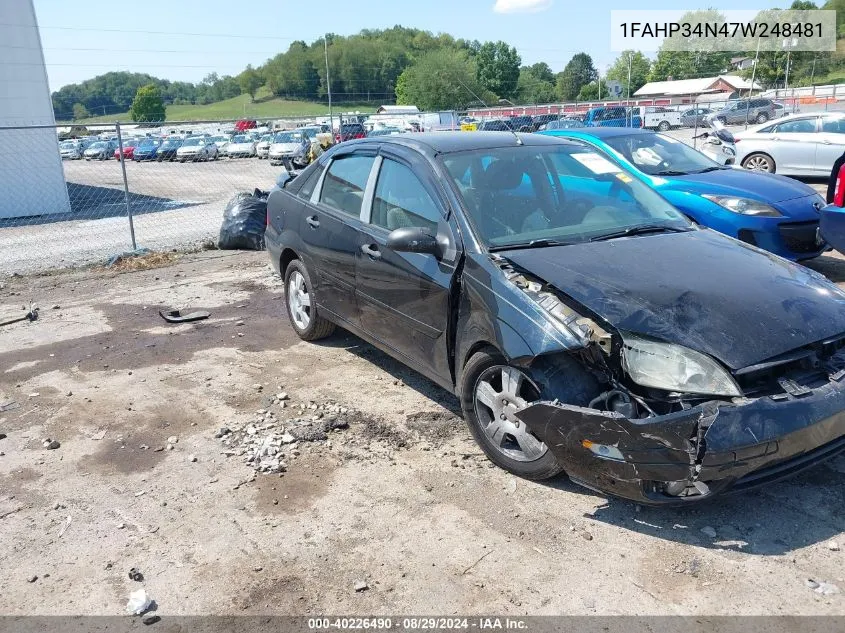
[(586, 325)]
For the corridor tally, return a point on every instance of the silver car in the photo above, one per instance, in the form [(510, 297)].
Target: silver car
[(757, 110), (196, 148), (795, 145), (241, 145), (101, 150), (262, 148), (292, 145), (70, 150)]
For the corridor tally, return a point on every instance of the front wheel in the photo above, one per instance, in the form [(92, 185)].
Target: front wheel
[(759, 162), (762, 117), (301, 307), (664, 126)]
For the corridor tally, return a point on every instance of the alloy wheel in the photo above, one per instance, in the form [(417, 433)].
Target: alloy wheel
[(500, 392), (299, 300), (758, 163)]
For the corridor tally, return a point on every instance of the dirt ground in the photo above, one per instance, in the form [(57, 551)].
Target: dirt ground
[(401, 501)]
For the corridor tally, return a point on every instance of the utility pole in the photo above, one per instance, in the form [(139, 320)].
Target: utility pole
[(329, 84), (628, 98)]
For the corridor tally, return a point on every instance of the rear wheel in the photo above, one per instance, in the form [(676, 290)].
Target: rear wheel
[(759, 162), (301, 307), (762, 117), (664, 126)]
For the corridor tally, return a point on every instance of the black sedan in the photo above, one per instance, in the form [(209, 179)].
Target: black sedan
[(585, 324)]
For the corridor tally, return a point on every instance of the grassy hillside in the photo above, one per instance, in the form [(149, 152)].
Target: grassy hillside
[(243, 107)]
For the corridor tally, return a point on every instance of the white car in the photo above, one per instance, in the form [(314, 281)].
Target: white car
[(796, 145), (262, 148), (221, 141), (70, 150), (240, 145), (196, 148), (290, 145)]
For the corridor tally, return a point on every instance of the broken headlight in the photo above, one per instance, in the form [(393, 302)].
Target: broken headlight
[(744, 206), (674, 368)]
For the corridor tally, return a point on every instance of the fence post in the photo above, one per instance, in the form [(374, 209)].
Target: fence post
[(125, 185)]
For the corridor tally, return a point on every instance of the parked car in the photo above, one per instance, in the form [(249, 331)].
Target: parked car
[(221, 141), (241, 146), (777, 214), (292, 145), (694, 117), (262, 148), (562, 124), (168, 148), (658, 118), (101, 150), (128, 149), (613, 116), (245, 124), (539, 120), (438, 121), (757, 110), (616, 341), (521, 123), (795, 145), (494, 125), (147, 149), (349, 131), (384, 131), (70, 150), (197, 148)]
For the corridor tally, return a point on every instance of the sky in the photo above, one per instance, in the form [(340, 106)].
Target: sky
[(188, 39)]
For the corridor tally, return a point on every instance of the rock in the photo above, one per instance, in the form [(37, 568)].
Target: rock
[(3, 436), (282, 396), (69, 393), (32, 579), (136, 575), (361, 585), (51, 445), (258, 386), (708, 531), (812, 584), (308, 434), (833, 546), (586, 536), (170, 447), (172, 440), (257, 568), (287, 438), (224, 430), (192, 458), (151, 619)]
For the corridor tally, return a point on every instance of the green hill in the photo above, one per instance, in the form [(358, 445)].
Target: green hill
[(242, 107)]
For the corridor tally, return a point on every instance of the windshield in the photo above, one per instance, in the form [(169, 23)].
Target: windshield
[(68, 145), (98, 145), (220, 139), (569, 193), (656, 154), (191, 142), (287, 137), (171, 143), (267, 138), (242, 138)]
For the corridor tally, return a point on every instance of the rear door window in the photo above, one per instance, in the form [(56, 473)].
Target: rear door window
[(345, 182)]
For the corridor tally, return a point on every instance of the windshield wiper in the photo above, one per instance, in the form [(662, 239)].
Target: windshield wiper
[(542, 243), (707, 169), (640, 229), (670, 172)]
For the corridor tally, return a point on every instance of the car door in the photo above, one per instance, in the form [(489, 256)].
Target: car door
[(830, 145), (330, 228), (404, 298), (794, 145)]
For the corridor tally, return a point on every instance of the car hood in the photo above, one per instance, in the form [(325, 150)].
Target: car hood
[(285, 147), (699, 289), (239, 146), (189, 148), (738, 182)]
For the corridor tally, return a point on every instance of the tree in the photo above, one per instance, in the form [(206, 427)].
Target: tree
[(147, 105), (594, 91), (577, 74), (541, 71), (80, 112), (443, 79), (534, 89), (250, 81), (640, 67), (498, 68)]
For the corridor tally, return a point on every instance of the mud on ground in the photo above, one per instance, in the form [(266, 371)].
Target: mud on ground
[(402, 499)]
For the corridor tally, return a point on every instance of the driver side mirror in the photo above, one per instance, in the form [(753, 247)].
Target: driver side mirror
[(413, 239)]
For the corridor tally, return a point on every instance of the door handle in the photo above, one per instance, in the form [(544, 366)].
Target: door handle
[(313, 222), (371, 250)]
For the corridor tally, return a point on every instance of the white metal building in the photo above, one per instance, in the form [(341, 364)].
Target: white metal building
[(31, 177)]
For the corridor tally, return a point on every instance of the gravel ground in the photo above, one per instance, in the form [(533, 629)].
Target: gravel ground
[(175, 206), (397, 501)]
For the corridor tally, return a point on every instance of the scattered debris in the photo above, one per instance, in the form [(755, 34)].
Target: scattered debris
[(826, 588), (32, 579), (65, 526), (192, 458), (586, 536), (138, 602), (32, 315), (708, 531), (11, 405), (833, 546), (176, 316), (3, 436), (136, 575), (151, 619), (361, 585), (51, 445)]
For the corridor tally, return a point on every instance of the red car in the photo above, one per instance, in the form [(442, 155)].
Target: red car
[(128, 149), (244, 125)]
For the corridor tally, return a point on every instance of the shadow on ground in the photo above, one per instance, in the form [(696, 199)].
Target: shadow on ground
[(89, 202)]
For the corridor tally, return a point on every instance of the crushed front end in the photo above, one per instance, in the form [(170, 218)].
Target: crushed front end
[(656, 445)]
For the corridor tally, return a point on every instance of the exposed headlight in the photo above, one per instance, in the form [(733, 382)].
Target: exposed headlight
[(674, 368), (744, 206)]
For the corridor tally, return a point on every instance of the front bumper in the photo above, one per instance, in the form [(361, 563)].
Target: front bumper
[(695, 454)]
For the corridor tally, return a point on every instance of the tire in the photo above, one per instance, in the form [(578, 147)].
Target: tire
[(664, 126), (523, 454), (159, 159), (762, 117), (759, 161), (309, 326)]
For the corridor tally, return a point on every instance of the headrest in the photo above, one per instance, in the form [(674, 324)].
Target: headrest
[(503, 174)]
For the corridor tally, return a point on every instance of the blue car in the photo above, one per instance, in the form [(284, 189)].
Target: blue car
[(146, 150), (775, 213), (613, 116)]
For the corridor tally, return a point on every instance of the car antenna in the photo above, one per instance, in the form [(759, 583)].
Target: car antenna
[(481, 101)]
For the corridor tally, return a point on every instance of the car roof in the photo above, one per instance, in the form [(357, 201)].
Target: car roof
[(447, 142), (605, 132)]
